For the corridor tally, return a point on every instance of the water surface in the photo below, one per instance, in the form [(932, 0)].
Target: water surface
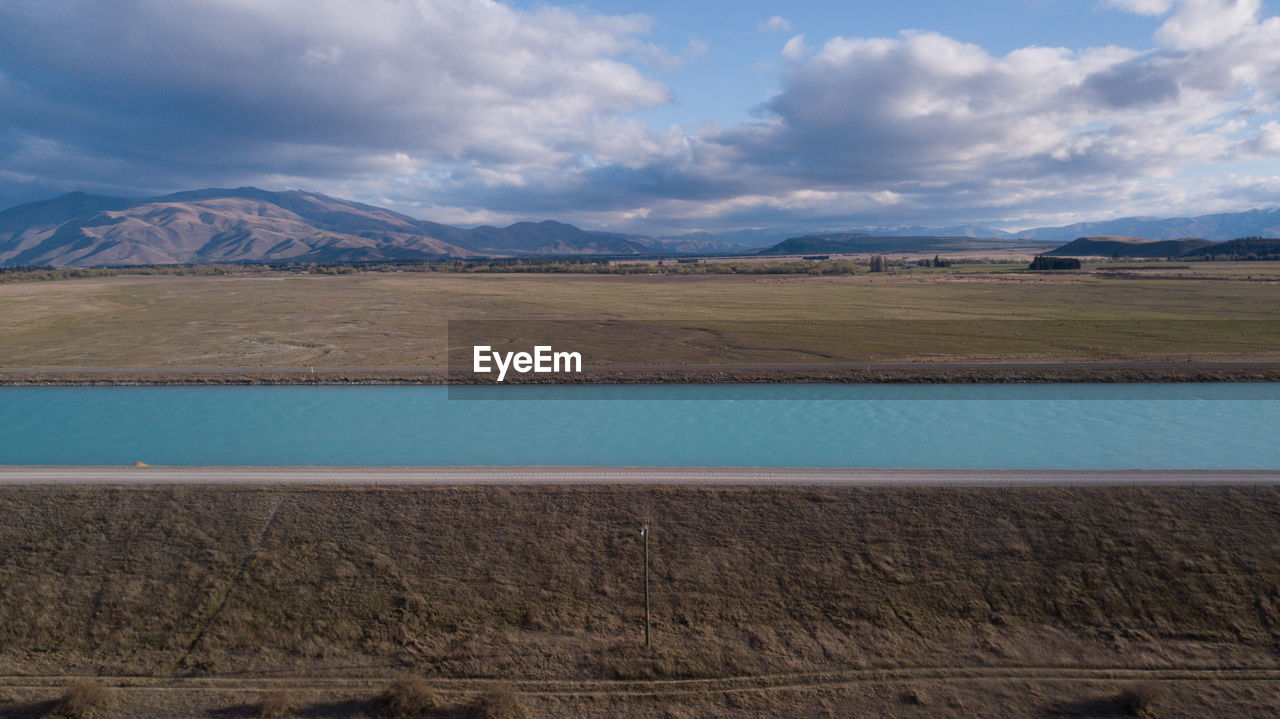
[(1070, 426)]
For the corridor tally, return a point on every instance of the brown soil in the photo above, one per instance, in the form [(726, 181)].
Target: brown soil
[(799, 601)]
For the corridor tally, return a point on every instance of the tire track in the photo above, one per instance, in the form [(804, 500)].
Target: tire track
[(203, 626), (672, 687)]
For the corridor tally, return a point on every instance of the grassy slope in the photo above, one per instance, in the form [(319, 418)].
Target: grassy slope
[(401, 320), (543, 583)]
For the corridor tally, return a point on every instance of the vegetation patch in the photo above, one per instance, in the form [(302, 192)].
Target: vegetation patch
[(1043, 262), (85, 699), (498, 703), (277, 704), (406, 698)]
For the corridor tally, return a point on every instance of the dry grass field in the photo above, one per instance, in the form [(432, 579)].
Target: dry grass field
[(198, 601), (400, 320)]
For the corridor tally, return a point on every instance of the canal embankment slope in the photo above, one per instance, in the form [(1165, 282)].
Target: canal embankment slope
[(780, 599)]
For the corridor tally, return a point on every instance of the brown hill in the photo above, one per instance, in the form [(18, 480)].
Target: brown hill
[(252, 225), (1121, 246)]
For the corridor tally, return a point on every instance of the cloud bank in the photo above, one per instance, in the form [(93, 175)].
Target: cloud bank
[(470, 111), (154, 95)]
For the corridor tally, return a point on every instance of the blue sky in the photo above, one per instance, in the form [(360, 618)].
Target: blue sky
[(656, 117)]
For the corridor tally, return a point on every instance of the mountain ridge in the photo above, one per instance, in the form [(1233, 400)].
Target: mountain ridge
[(248, 224), (861, 243), (1120, 246), (1219, 227)]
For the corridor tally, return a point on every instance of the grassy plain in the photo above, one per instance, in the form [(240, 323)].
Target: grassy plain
[(400, 320), (822, 601)]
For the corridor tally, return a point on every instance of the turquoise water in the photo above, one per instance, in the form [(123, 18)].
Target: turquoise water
[(1208, 426)]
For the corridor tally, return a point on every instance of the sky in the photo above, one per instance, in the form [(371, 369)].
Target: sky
[(658, 117)]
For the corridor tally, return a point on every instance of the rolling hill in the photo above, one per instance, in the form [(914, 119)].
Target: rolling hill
[(252, 225), (846, 243), (1244, 248), (1111, 246)]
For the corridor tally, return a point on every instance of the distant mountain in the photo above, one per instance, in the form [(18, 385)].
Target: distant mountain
[(728, 241), (916, 238), (1244, 248), (1110, 246), (547, 237), (252, 225), (736, 241), (845, 243), (1218, 228), (974, 231)]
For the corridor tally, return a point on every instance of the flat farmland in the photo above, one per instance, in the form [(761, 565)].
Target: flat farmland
[(1207, 312)]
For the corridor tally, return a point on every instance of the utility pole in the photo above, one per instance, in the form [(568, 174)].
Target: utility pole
[(645, 532)]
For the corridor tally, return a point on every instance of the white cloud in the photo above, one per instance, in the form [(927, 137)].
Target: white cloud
[(1200, 24), (226, 81), (1143, 7), (795, 50), (1267, 141), (777, 23), (950, 131)]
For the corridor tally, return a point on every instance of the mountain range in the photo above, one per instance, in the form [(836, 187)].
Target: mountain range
[(1216, 228), (252, 225)]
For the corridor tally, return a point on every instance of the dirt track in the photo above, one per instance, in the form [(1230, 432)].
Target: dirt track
[(671, 687)]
